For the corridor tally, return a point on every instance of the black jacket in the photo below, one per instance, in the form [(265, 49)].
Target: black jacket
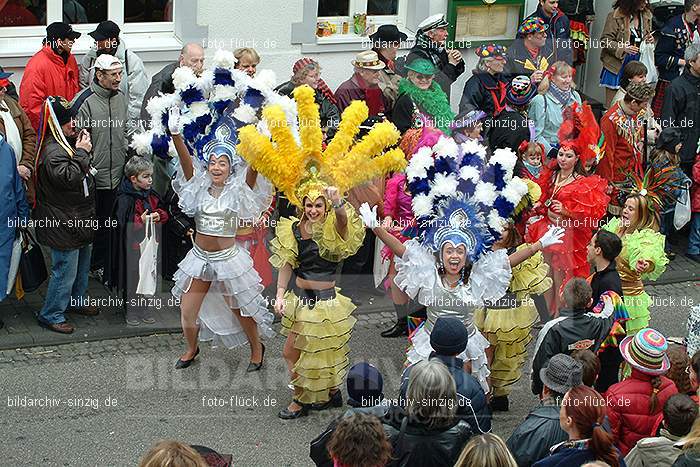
[(577, 9), (161, 82), (473, 408), (507, 130), (670, 48), (687, 459), (572, 330), (682, 109), (602, 281), (65, 211), (176, 244), (539, 431), (419, 446), (518, 56), (403, 115), (485, 92), (447, 72)]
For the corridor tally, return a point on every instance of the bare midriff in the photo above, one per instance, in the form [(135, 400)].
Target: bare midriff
[(212, 243), (314, 285)]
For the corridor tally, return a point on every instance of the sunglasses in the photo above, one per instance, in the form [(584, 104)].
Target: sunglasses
[(422, 77)]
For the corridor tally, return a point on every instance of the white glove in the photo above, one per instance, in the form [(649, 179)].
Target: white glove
[(369, 216), (174, 124), (552, 236)]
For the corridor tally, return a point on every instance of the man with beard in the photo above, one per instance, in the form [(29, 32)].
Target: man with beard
[(135, 82), (52, 71), (65, 206)]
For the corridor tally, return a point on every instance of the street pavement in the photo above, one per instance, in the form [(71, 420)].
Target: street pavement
[(104, 403)]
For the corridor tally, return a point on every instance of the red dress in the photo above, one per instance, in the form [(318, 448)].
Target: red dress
[(586, 201)]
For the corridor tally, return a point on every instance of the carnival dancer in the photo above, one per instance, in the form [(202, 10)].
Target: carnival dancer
[(642, 256), (507, 322), (570, 199), (216, 283), (460, 203), (316, 318)]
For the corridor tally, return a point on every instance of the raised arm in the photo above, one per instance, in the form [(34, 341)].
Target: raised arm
[(182, 152), (369, 218), (550, 237), (341, 216)]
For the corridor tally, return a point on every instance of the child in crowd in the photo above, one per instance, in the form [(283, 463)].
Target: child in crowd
[(530, 157), (590, 364), (135, 202)]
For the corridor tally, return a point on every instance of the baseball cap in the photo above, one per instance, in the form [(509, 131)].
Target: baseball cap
[(60, 30), (105, 30), (106, 62)]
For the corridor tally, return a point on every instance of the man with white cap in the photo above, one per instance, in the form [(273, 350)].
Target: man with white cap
[(102, 110), (430, 44), (135, 80), (363, 85)]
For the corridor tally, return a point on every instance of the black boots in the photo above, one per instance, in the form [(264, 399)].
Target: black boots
[(400, 328)]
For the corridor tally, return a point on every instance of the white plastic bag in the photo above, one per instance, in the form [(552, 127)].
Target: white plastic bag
[(646, 56), (148, 262), (14, 263), (693, 326), (682, 213), (381, 267)]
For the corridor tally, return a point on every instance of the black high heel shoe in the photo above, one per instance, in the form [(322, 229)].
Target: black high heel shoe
[(256, 366), (180, 364), (287, 414), (336, 400)]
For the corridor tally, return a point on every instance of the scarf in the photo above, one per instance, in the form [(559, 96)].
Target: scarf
[(322, 86), (11, 131), (563, 97), (432, 101), (433, 48), (374, 98)]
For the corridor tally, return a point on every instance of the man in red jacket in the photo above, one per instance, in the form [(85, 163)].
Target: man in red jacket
[(52, 71)]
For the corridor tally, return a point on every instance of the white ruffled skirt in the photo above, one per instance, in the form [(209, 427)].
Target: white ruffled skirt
[(421, 349), (232, 278)]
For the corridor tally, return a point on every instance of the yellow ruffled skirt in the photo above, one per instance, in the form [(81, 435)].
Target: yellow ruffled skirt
[(322, 335), (508, 331)]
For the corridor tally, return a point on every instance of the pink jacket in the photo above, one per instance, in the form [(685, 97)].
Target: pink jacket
[(397, 203)]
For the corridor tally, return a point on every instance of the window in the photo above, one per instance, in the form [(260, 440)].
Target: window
[(84, 11), (21, 13), (377, 11)]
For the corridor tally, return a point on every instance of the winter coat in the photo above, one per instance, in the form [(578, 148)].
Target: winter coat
[(507, 130), (103, 113), (14, 209), (473, 408), (577, 8), (388, 82), (545, 111), (682, 109), (695, 189), (447, 73), (688, 459), (352, 90), (161, 82), (628, 408), (658, 451), (616, 33), (484, 92), (176, 243), (134, 82), (673, 40), (46, 74), (572, 330), (28, 135), (420, 446), (532, 439), (64, 212), (520, 61), (558, 35)]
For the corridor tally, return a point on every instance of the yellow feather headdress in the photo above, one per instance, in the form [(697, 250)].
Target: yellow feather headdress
[(306, 170)]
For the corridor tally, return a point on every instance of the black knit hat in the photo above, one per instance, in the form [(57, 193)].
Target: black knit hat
[(449, 336), (61, 108), (669, 138), (365, 385)]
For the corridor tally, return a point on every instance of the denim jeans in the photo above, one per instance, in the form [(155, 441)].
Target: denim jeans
[(694, 238), (68, 283)]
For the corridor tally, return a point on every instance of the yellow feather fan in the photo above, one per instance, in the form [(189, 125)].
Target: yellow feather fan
[(305, 171)]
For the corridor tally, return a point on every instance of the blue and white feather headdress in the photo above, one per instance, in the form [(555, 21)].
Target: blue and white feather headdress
[(460, 197), (213, 107)]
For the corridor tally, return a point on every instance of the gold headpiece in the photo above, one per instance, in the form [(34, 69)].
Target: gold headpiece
[(306, 170)]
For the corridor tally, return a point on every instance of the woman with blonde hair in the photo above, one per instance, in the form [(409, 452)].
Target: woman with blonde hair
[(247, 60), (487, 450), (642, 256), (556, 92), (172, 454)]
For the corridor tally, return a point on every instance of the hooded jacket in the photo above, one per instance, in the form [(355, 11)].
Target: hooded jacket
[(133, 85), (103, 113), (628, 408), (46, 74), (682, 110), (63, 206), (659, 451)]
